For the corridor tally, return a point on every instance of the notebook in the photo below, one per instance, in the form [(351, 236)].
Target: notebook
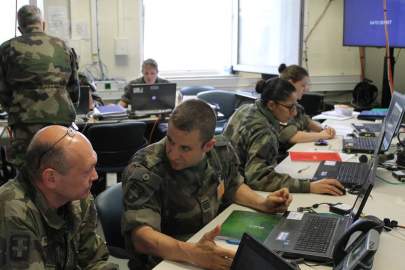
[(253, 255)]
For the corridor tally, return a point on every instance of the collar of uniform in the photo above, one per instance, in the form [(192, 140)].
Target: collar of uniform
[(268, 114), (33, 29), (50, 215)]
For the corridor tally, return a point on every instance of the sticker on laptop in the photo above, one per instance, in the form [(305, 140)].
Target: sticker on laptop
[(295, 215), (330, 163), (282, 236), (324, 173), (137, 90)]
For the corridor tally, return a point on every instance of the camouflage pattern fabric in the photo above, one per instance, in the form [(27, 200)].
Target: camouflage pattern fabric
[(178, 203), (126, 97), (35, 236), (299, 123), (254, 131), (38, 79)]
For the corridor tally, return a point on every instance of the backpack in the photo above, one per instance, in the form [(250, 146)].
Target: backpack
[(364, 94)]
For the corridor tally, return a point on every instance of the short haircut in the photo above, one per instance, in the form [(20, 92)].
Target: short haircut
[(151, 63), (275, 89), (194, 114), (28, 15), (294, 73), (55, 158)]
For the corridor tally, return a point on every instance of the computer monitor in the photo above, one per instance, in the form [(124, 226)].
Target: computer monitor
[(253, 255), (154, 97), (84, 100), (393, 119)]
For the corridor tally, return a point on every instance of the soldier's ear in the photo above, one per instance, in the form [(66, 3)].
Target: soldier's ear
[(271, 105), (209, 145), (49, 178)]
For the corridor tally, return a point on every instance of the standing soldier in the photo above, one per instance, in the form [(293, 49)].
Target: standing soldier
[(38, 81)]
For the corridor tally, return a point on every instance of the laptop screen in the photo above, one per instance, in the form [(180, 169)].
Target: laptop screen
[(393, 119), (153, 97), (253, 255)]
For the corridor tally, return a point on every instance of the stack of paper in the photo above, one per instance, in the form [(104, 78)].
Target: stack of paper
[(111, 111)]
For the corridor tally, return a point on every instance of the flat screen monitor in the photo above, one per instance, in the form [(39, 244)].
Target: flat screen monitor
[(363, 23)]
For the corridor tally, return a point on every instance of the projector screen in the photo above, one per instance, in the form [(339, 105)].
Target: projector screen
[(363, 23)]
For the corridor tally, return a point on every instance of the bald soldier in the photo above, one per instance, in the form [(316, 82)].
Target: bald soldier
[(38, 81), (47, 215)]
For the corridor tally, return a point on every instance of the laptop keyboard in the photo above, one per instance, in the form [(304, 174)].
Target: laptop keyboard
[(316, 234), (365, 143), (372, 127), (352, 173)]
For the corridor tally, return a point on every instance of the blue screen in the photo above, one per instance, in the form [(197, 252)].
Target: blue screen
[(363, 23)]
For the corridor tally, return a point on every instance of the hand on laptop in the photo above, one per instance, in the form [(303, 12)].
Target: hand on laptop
[(327, 186), (277, 201), (328, 133), (209, 255)]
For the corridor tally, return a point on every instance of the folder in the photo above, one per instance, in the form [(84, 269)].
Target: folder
[(315, 156)]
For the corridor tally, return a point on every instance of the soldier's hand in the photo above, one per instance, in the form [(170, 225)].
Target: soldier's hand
[(328, 133), (209, 255), (327, 186), (278, 201)]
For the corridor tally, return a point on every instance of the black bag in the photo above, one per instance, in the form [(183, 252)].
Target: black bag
[(364, 94)]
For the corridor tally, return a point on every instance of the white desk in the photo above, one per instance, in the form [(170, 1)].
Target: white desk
[(385, 201)]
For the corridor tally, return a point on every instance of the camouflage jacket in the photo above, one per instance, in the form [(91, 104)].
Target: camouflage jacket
[(299, 123), (38, 79), (254, 131), (178, 203), (34, 236), (126, 97)]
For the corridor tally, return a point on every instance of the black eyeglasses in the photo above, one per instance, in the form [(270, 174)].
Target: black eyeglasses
[(71, 131), (291, 107)]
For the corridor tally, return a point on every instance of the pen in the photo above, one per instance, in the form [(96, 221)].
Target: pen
[(303, 169), (233, 241)]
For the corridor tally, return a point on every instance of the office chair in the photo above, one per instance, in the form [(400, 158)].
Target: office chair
[(194, 90), (110, 207), (224, 100), (115, 144)]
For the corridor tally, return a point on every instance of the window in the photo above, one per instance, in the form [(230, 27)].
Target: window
[(8, 17), (211, 36), (188, 35)]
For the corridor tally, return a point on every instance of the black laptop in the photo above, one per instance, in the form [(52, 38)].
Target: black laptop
[(390, 125), (83, 106), (253, 255), (151, 99), (312, 236)]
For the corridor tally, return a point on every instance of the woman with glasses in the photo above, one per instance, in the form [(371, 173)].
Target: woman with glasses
[(254, 130), (301, 128)]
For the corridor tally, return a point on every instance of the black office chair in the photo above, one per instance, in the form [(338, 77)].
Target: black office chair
[(194, 90), (224, 101), (110, 207)]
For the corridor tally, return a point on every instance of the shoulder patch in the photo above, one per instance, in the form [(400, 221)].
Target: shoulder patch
[(19, 247)]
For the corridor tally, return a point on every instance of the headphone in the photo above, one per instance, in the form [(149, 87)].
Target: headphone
[(391, 224)]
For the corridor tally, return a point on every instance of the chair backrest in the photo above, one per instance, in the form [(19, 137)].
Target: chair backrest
[(224, 99), (115, 143), (110, 207), (194, 90)]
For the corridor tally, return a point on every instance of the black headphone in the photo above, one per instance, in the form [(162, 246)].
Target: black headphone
[(391, 224)]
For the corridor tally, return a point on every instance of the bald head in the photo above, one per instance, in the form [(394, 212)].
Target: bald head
[(28, 15), (54, 147)]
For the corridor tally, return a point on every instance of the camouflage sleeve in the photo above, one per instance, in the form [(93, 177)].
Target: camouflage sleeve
[(234, 178), (142, 203), (5, 92), (93, 253), (73, 86), (287, 132), (260, 165), (20, 242)]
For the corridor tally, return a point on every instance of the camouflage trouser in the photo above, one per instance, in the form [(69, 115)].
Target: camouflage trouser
[(22, 135)]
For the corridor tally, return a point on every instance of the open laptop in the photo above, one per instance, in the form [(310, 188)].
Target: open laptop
[(390, 125), (151, 99), (84, 100), (313, 236), (253, 255)]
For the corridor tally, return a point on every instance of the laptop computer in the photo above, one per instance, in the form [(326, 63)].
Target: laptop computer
[(390, 125), (151, 99), (253, 255), (313, 236), (84, 100)]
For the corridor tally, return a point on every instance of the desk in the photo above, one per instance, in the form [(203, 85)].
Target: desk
[(385, 201)]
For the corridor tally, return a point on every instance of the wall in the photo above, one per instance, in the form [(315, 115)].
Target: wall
[(332, 66)]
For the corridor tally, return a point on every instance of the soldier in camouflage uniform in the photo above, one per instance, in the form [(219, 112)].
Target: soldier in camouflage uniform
[(254, 130), (47, 216), (38, 81), (176, 186), (150, 76), (300, 128)]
